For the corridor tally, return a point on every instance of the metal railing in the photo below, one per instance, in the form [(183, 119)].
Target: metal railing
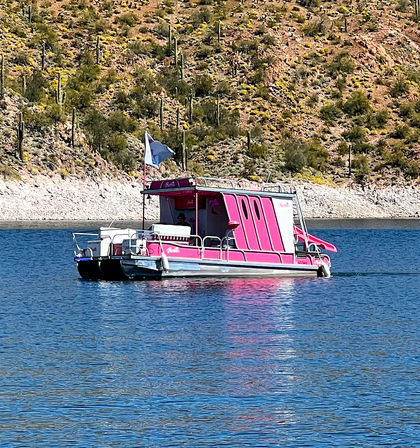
[(223, 246)]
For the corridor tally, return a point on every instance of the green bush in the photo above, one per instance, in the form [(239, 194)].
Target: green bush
[(245, 46), (357, 104), (169, 79), (128, 18), (202, 85), (36, 120), (294, 156), (360, 165), (342, 63), (399, 87), (203, 15), (330, 113), (357, 137), (257, 151), (118, 121), (35, 86), (314, 27), (317, 155), (95, 126)]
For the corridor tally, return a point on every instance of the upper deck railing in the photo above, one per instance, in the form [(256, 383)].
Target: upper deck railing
[(214, 182)]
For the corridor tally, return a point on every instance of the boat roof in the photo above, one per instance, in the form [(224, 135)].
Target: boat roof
[(209, 185)]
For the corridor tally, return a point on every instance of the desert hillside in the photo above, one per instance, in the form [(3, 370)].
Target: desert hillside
[(325, 91)]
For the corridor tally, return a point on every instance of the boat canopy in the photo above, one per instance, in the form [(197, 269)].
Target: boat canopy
[(264, 219)]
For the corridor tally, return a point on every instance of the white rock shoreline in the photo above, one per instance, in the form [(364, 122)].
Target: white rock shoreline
[(43, 199)]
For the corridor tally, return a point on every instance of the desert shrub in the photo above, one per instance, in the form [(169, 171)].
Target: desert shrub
[(202, 85), (360, 165), (314, 27), (82, 98), (55, 113), (294, 155), (122, 99), (128, 18), (148, 48), (357, 104), (403, 5), (170, 80), (145, 83), (357, 137), (399, 87), (343, 148), (95, 126), (401, 132), (146, 106), (245, 46), (120, 122), (377, 119), (257, 151), (44, 33), (35, 86), (123, 160), (342, 63), (269, 40), (317, 155), (35, 119), (258, 75), (21, 58), (330, 113), (412, 169), (223, 88), (309, 3), (203, 15), (204, 51)]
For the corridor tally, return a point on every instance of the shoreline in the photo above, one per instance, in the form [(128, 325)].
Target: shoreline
[(42, 199), (312, 223)]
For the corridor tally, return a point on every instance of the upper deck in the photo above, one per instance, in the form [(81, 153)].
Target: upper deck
[(174, 187)]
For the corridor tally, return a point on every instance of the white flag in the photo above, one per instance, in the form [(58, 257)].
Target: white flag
[(155, 152)]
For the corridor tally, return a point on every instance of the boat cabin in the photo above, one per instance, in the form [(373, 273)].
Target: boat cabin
[(218, 213)]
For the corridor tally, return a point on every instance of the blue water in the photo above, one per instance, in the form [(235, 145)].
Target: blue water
[(208, 363)]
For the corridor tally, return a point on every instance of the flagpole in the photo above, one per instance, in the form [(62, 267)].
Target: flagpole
[(144, 180)]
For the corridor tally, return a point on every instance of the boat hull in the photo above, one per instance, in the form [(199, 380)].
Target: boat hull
[(149, 268), (142, 268), (96, 269)]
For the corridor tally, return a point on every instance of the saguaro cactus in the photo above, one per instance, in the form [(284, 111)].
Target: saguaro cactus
[(176, 51), (184, 152), (20, 135), (23, 84), (43, 56), (182, 66), (2, 77), (161, 114), (59, 94), (169, 38), (417, 8), (98, 49), (219, 31), (218, 111), (73, 127), (191, 108)]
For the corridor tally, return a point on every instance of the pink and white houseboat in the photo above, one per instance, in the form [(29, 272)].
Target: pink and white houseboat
[(208, 228)]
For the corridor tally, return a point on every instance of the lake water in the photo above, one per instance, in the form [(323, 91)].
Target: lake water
[(208, 363)]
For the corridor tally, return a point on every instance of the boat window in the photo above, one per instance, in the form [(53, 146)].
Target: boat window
[(244, 209), (257, 210)]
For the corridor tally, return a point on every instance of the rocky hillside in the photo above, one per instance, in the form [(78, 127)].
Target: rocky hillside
[(255, 88)]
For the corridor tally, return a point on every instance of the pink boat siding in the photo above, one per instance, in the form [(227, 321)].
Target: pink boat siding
[(173, 250), (258, 229)]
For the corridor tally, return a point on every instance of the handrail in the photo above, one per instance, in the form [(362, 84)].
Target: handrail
[(75, 234)]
